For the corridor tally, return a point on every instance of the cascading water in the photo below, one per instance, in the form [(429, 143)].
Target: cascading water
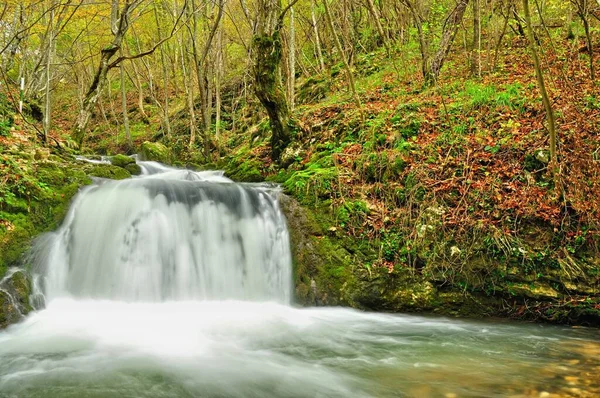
[(171, 235), (178, 284)]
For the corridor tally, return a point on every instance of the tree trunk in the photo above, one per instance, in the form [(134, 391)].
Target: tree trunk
[(218, 73), (338, 45), (378, 25), (91, 98), (449, 32), (47, 104), (119, 27), (267, 57), (124, 104), (545, 98), (292, 62), (583, 12), (313, 19), (267, 53), (476, 49), (165, 72)]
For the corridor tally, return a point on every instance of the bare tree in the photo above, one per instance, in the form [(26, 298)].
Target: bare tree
[(542, 86), (120, 19), (431, 64), (119, 30), (340, 50), (583, 11)]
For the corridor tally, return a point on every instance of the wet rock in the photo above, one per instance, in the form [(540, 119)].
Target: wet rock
[(15, 288), (126, 163), (321, 266), (134, 169)]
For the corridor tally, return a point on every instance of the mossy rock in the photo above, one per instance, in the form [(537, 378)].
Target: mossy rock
[(322, 264), (122, 160), (15, 241), (535, 290), (8, 312), (155, 151), (134, 169), (245, 172), (107, 171), (14, 298)]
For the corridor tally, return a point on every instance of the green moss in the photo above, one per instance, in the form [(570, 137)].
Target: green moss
[(248, 171), (133, 169), (107, 171), (14, 241), (22, 288), (155, 151), (121, 160)]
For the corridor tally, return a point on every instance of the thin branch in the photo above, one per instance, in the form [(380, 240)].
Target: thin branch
[(176, 28)]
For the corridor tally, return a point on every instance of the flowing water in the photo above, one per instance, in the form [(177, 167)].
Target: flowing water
[(178, 284)]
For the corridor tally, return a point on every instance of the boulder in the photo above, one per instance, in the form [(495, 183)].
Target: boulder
[(155, 151), (15, 288)]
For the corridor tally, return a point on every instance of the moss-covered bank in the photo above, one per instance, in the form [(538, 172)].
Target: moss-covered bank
[(36, 189), (333, 269)]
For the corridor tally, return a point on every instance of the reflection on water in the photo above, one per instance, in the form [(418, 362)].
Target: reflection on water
[(245, 349)]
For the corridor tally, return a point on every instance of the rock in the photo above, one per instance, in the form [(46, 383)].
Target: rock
[(107, 171), (245, 172), (134, 169), (127, 163), (322, 267), (121, 160), (14, 297), (290, 154), (536, 290), (155, 151)]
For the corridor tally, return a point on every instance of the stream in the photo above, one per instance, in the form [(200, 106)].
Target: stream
[(179, 284)]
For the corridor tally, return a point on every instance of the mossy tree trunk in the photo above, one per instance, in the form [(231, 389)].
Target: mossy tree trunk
[(267, 52)]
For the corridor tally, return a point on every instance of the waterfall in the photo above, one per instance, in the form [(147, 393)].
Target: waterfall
[(169, 235)]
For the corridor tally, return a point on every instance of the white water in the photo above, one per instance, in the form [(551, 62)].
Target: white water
[(178, 284), (173, 235)]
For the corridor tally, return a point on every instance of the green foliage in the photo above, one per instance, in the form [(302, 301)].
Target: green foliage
[(354, 212), (313, 89), (406, 121), (477, 96), (5, 126), (313, 183)]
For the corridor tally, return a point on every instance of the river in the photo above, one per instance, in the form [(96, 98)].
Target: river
[(179, 284)]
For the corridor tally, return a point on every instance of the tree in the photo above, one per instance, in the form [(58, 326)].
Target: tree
[(119, 29), (583, 11), (120, 20), (267, 50), (542, 86), (432, 63)]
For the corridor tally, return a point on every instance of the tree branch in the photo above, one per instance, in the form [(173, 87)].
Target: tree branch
[(176, 28)]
